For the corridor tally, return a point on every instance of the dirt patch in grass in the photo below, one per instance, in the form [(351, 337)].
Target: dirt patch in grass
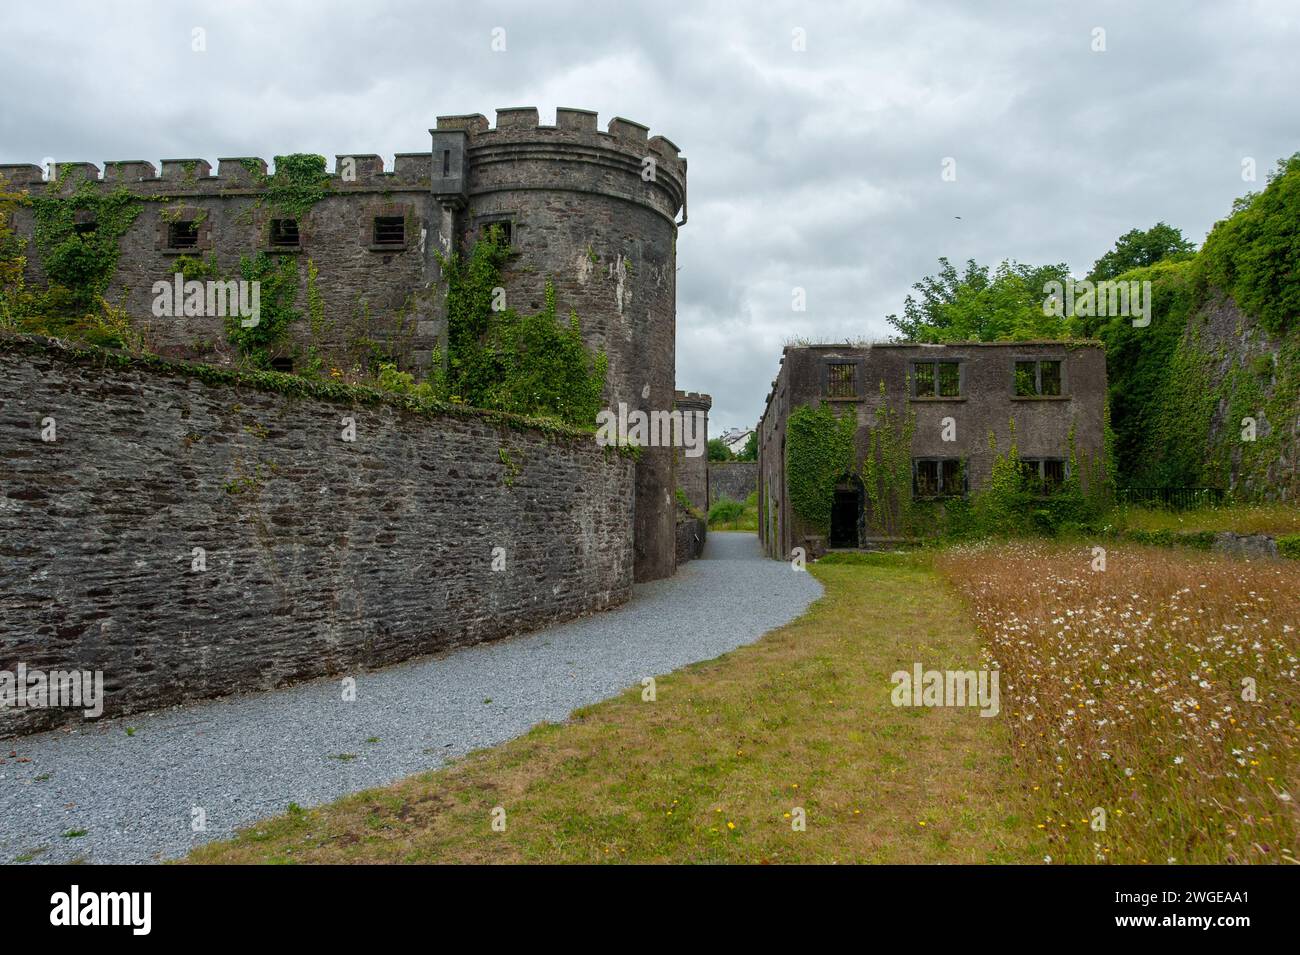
[(714, 769)]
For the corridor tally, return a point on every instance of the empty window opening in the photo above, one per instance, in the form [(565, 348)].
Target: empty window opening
[(1043, 475), (282, 364), (503, 228), (937, 379), (85, 227), (284, 233), (183, 235), (842, 380), (390, 230), (938, 477), (1038, 378), (446, 163)]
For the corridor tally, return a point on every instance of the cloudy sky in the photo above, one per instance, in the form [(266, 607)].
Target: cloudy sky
[(818, 168)]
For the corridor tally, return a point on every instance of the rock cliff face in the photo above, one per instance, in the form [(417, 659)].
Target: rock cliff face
[(1232, 405)]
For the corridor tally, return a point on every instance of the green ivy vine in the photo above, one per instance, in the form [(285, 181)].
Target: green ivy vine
[(886, 470), (499, 358), (77, 235), (820, 447)]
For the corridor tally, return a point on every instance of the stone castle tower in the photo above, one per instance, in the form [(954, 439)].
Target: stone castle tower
[(595, 212)]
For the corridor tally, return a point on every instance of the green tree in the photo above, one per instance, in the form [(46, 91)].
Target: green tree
[(1136, 249), (1254, 254), (719, 451), (1005, 304)]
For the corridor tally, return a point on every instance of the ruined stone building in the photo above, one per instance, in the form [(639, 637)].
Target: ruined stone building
[(956, 399), (594, 212)]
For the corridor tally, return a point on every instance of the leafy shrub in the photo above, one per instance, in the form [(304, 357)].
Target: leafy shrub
[(725, 511), (1289, 546)]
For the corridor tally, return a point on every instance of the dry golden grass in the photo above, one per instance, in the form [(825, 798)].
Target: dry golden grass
[(1123, 690), (713, 769)]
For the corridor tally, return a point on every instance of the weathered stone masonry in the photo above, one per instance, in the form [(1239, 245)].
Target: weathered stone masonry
[(983, 403), (595, 212), (322, 555)]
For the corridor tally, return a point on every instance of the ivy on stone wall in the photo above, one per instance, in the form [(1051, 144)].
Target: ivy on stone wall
[(298, 183), (499, 358), (820, 448), (887, 470), (77, 235), (77, 231), (1252, 255), (278, 278), (1180, 387)]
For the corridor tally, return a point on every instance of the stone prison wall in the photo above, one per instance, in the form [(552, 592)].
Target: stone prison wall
[(733, 480), (194, 531)]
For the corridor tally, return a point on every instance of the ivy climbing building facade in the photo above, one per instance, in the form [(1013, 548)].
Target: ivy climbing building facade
[(859, 445)]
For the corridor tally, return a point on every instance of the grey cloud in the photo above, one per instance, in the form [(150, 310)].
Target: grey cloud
[(818, 169)]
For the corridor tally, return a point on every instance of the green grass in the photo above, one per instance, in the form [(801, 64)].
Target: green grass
[(729, 515), (714, 769), (1277, 519)]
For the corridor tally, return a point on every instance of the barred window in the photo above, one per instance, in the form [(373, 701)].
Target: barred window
[(842, 380), (183, 235), (936, 379), (503, 227), (284, 233), (390, 230)]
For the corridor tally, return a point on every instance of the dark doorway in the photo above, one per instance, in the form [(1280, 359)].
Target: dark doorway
[(846, 514)]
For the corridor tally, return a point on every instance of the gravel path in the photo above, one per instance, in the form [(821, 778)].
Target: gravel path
[(244, 758)]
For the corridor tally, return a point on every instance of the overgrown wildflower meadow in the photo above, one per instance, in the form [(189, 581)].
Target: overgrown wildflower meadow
[(1153, 705)]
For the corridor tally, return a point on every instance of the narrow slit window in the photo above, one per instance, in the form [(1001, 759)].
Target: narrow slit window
[(842, 380), (390, 230), (183, 235), (446, 163)]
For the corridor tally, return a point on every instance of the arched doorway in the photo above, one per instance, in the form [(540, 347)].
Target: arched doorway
[(846, 512)]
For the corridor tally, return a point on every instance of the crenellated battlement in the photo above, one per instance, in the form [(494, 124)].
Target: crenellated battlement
[(591, 215), (515, 127), (351, 170), (695, 400), (572, 126)]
